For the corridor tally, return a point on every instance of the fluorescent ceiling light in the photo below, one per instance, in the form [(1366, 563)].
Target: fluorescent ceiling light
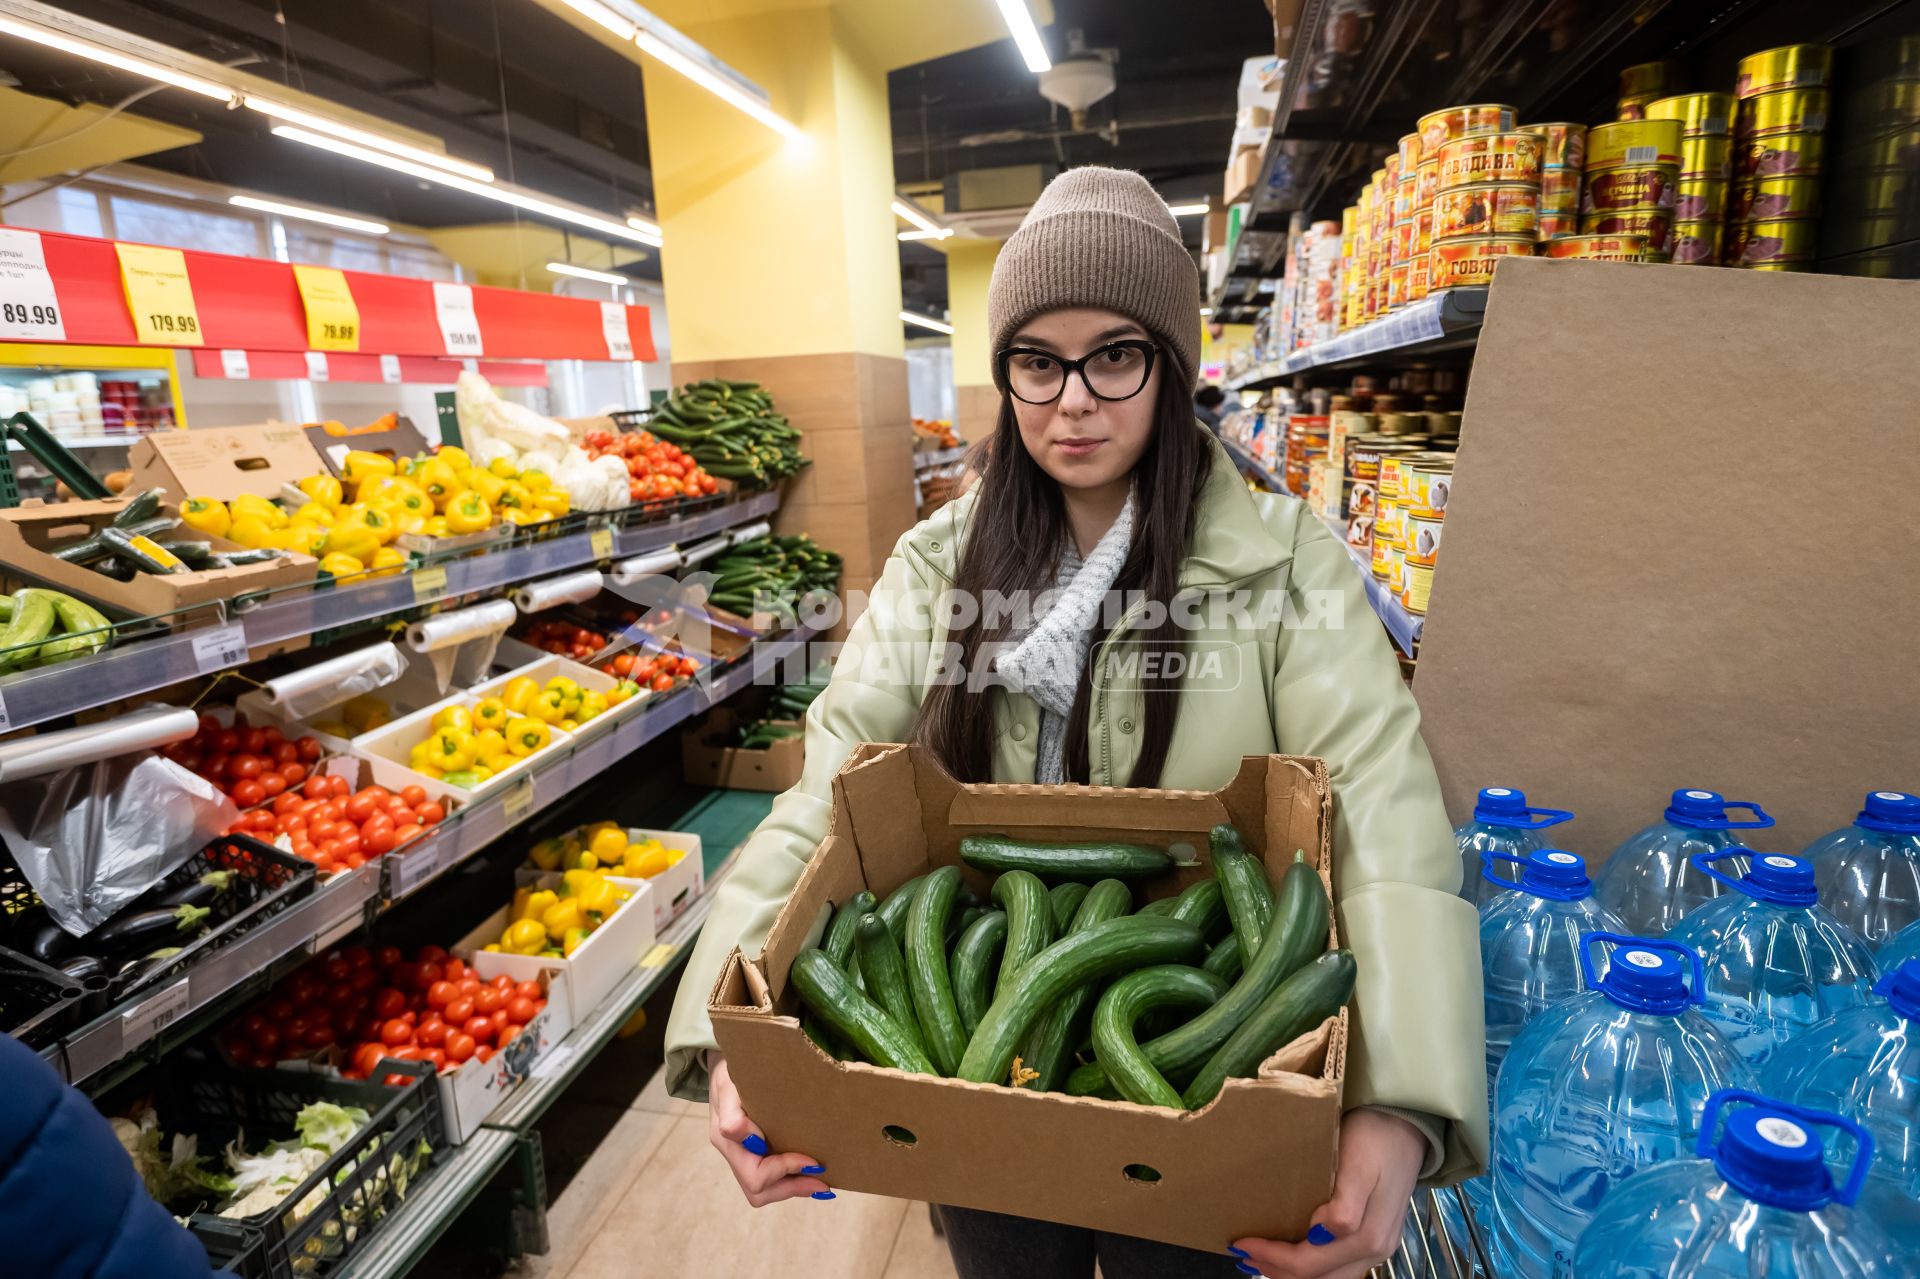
[(100, 53), (310, 215), (582, 273), (907, 213), (597, 12), (406, 151), (1026, 36), (1187, 210), (941, 234), (491, 191), (926, 322), (641, 224), (719, 86)]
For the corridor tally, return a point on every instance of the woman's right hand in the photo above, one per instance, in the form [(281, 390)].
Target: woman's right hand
[(764, 1177)]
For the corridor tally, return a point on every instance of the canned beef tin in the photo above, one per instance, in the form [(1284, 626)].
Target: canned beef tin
[(1420, 276), (1554, 225), (1416, 591), (1765, 198), (1705, 157), (1422, 233), (1423, 541), (1696, 243), (1699, 114), (1490, 157), (1768, 241), (1486, 210), (1562, 146), (1784, 155), (1430, 485), (1438, 128), (1559, 190), (1610, 146), (1644, 186), (1647, 79), (1700, 199), (1426, 182), (1599, 248), (1409, 153), (1457, 263), (1397, 286), (1793, 66), (1401, 242), (1655, 226), (1403, 199), (1782, 111)]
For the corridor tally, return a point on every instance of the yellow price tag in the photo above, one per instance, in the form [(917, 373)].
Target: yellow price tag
[(429, 584), (659, 955), (601, 541), (517, 804), (333, 317), (159, 295)]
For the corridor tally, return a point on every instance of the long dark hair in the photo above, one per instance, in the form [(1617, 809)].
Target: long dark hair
[(1019, 524)]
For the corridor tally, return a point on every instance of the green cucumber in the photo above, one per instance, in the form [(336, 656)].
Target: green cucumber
[(1244, 882), (142, 506), (893, 910), (825, 1040), (1065, 899), (145, 554), (1301, 1002), (1162, 907), (1225, 960), (1201, 905), (1299, 933), (1051, 1043), (827, 992), (1097, 861), (839, 942), (927, 975), (1029, 922), (1118, 945), (976, 958), (1166, 986), (885, 972)]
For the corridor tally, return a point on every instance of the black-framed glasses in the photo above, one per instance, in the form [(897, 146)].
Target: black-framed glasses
[(1116, 371)]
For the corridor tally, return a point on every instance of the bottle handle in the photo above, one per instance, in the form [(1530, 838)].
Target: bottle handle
[(1551, 816), (1761, 819), (1488, 857), (1702, 862), (1694, 992), (1856, 1181)]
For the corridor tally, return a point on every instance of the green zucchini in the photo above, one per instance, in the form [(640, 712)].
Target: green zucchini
[(886, 973), (827, 992), (976, 957), (1097, 861), (1065, 899), (1162, 907), (1243, 880), (1165, 986), (927, 975), (1225, 960), (32, 622), (1118, 945), (1299, 933), (1301, 1002), (1201, 905), (87, 629), (142, 506), (196, 555), (1029, 922), (259, 555), (839, 942), (1051, 1042), (894, 907)]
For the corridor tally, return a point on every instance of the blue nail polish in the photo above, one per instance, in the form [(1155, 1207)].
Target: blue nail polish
[(824, 1194), (1246, 1269), (1320, 1236), (813, 1170), (1238, 1252), (755, 1143)]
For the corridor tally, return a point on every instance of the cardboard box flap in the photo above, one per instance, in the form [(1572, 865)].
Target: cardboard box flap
[(222, 462)]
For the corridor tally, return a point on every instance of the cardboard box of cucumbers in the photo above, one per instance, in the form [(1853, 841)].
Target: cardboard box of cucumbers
[(1117, 1009)]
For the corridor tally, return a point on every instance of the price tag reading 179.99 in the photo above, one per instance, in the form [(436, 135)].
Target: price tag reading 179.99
[(152, 1015), (159, 295), (29, 310)]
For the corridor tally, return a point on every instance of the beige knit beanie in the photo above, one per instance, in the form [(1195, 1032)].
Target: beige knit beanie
[(1101, 238)]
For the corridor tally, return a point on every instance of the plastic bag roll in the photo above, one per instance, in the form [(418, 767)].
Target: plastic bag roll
[(760, 528), (144, 729), (706, 550), (302, 693), (569, 588), (458, 627), (627, 572)]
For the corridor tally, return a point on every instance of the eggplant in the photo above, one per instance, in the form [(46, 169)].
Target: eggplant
[(141, 929), (49, 942), (87, 970), (137, 967), (203, 891)]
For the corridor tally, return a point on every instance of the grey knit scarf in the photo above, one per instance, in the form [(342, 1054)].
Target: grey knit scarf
[(1047, 660)]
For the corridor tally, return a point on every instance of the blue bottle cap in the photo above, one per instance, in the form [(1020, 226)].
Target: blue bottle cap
[(1707, 810), (1771, 877), (1901, 987), (1888, 810), (1557, 874), (1504, 806), (1646, 980), (1772, 1159)]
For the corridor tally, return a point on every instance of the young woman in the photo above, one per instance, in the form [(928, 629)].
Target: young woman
[(1101, 481)]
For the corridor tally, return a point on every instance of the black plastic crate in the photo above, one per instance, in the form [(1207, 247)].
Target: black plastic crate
[(35, 1000), (347, 1198), (237, 1252)]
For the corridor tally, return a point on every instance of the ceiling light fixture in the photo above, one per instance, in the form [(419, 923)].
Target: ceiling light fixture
[(908, 213), (1188, 210), (941, 234), (641, 224), (100, 53), (1026, 36), (392, 146), (340, 220), (582, 273), (719, 86), (606, 17), (926, 322)]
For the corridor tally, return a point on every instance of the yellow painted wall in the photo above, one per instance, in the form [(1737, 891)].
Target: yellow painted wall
[(969, 270)]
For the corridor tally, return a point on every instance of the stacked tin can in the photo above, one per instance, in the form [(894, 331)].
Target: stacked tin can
[(1779, 119), (1399, 229), (1632, 180), (1412, 226), (1353, 281), (1700, 203), (1643, 84), (1486, 202), (1380, 252), (1563, 153)]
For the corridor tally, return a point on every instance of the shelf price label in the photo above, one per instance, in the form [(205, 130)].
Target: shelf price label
[(429, 584), (152, 1015), (333, 317), (390, 369), (159, 295), (29, 311), (317, 370), (459, 326), (516, 805), (410, 870), (234, 364), (600, 543), (219, 647), (613, 323)]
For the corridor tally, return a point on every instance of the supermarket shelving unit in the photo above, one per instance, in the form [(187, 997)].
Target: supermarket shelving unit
[(1442, 322)]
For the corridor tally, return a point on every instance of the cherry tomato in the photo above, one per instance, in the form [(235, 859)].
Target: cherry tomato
[(339, 787), (454, 970), (389, 1003), (272, 736), (481, 1028), (442, 993), (226, 741), (335, 808), (354, 861), (661, 683), (438, 1058), (528, 990), (407, 1052), (273, 785), (431, 954), (519, 1010), (388, 956), (358, 956), (208, 726), (414, 795), (213, 766), (502, 983), (398, 811), (265, 1037), (247, 794), (347, 844), (430, 813), (432, 1033), (285, 753), (284, 804), (458, 1010), (316, 788), (396, 1081), (484, 1052), (309, 749), (359, 808), (367, 1056), (318, 1036), (405, 833), (461, 1046), (294, 773), (488, 1002)]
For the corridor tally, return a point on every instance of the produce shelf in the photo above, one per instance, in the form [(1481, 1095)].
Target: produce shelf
[(939, 457), (1447, 321), (404, 1237)]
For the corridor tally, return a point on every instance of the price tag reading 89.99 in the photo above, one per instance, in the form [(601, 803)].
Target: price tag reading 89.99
[(28, 308)]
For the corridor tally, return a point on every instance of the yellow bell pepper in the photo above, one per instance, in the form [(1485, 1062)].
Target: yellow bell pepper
[(255, 505), (341, 565), (525, 736), (491, 712), (388, 562), (207, 515), (546, 854), (450, 749), (573, 881), (487, 485), (592, 704), (536, 481), (608, 845), (519, 692), (467, 513), (553, 502), (643, 862), (521, 516), (250, 531), (315, 513), (549, 707), (572, 941), (409, 496), (489, 742), (519, 908), (435, 526), (374, 487), (515, 494), (323, 489), (503, 467), (537, 903), (453, 717), (360, 464), (377, 520), (350, 537), (598, 898), (587, 861), (437, 480), (565, 914), (453, 455), (524, 937)]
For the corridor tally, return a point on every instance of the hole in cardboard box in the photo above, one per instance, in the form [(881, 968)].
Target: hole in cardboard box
[(899, 1136), (1143, 1173), (250, 463)]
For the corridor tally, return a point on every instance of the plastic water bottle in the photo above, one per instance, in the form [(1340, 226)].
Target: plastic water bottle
[(1504, 826), (1776, 961), (1759, 1202), (1869, 872), (1595, 1089), (1648, 882), (1864, 1063), (1899, 948)]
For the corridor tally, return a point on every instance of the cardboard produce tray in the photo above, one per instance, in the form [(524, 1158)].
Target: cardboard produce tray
[(1194, 1179)]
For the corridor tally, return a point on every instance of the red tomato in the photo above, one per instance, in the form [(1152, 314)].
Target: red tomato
[(442, 993), (294, 773), (488, 1002), (354, 861), (226, 741), (528, 990), (247, 794), (507, 1033), (396, 1081), (358, 956), (309, 749), (335, 808), (461, 1046), (318, 1036), (407, 1052), (414, 795), (322, 831), (265, 1037), (208, 726), (285, 753), (458, 1011), (213, 766), (502, 983), (316, 788), (519, 1010), (347, 844), (405, 833), (339, 787), (661, 683), (389, 1003), (430, 814), (359, 808), (378, 840), (432, 1033), (398, 811), (273, 785), (454, 970), (395, 1031), (438, 1058), (481, 1028), (484, 1052), (367, 1056), (273, 736), (431, 954), (388, 956)]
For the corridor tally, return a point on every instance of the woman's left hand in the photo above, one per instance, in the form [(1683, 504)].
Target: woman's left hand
[(1380, 1160)]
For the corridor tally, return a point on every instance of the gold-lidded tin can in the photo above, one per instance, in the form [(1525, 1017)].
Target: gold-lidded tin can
[(1437, 128), (1699, 200), (1490, 157), (1696, 243), (1766, 241), (1486, 209), (1426, 182), (1422, 233), (1427, 486), (1401, 242), (1409, 152), (1701, 115), (1397, 286), (1784, 155), (1555, 225), (1420, 275), (1599, 248), (1638, 186), (1562, 145), (1416, 592), (1772, 199), (1559, 191), (1655, 226), (1647, 79), (1403, 199), (1423, 540), (1793, 66), (1705, 157), (1782, 111), (1610, 146), (1465, 263)]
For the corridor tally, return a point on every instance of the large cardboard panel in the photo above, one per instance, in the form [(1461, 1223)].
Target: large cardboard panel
[(222, 462), (896, 814), (1677, 547)]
